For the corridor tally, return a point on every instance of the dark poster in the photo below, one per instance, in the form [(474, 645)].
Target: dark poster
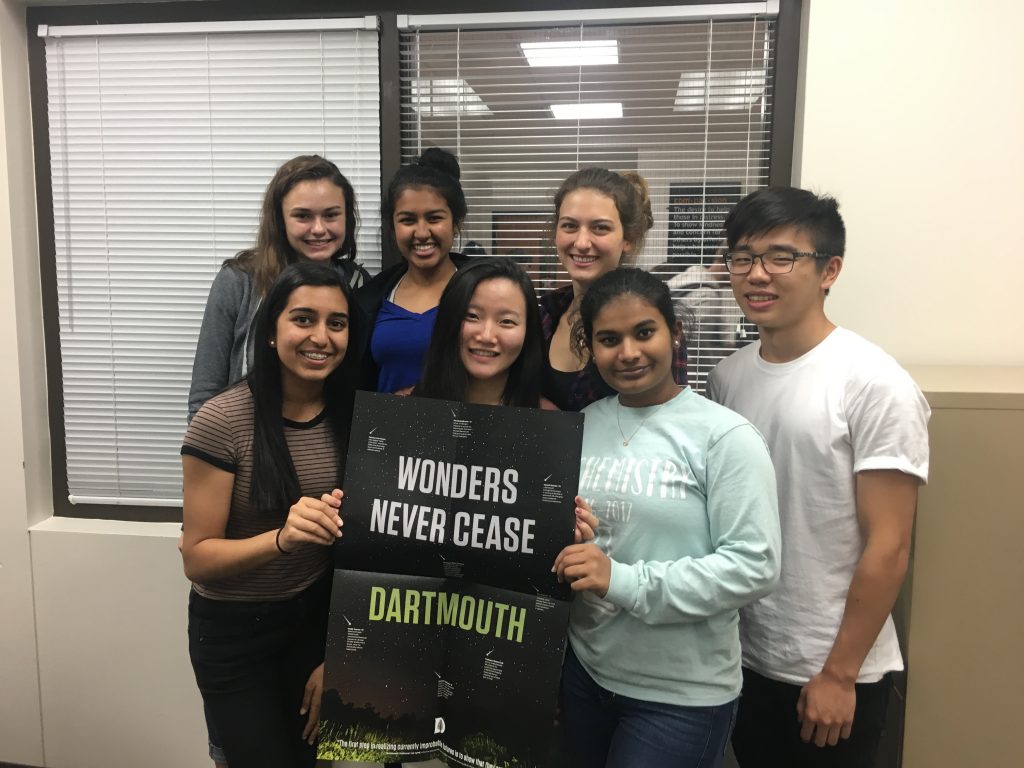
[(696, 213), (447, 625)]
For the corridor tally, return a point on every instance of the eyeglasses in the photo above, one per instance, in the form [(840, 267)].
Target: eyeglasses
[(774, 262)]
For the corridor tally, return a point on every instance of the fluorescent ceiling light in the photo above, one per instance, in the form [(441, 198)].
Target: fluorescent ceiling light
[(446, 97), (592, 111), (719, 89), (571, 54)]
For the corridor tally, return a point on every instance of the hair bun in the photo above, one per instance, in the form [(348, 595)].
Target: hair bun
[(441, 160), (639, 183)]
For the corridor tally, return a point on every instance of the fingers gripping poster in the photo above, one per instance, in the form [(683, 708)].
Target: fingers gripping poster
[(447, 626)]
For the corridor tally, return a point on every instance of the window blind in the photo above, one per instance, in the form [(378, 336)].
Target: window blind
[(161, 146), (687, 103)]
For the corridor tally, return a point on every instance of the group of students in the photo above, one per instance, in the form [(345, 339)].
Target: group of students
[(678, 514)]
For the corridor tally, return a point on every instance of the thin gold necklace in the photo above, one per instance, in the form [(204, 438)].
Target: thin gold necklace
[(618, 408)]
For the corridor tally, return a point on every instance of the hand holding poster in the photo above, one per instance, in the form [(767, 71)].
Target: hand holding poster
[(447, 626)]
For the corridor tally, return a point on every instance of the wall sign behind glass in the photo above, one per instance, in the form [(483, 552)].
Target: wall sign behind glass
[(696, 213)]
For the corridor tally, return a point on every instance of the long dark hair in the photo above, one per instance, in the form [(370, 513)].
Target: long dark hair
[(275, 485), (272, 252), (444, 375)]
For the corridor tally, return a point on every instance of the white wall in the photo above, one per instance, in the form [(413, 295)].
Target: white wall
[(21, 737), (117, 687), (911, 116), (94, 664)]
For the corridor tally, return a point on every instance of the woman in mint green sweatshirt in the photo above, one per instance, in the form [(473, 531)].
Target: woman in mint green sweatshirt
[(689, 532)]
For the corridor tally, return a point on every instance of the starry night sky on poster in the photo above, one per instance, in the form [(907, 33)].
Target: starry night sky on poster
[(384, 667), (394, 670), (542, 446), (517, 711)]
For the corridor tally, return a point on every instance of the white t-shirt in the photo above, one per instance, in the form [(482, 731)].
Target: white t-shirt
[(844, 407)]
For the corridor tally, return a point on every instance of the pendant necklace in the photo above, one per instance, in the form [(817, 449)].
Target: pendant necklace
[(618, 408)]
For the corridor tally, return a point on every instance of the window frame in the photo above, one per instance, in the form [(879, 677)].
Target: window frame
[(783, 138)]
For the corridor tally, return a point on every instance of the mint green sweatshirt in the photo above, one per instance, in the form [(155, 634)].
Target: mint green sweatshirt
[(689, 517)]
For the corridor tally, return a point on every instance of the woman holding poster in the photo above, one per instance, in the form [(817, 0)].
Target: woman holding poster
[(685, 493), (261, 464), (487, 344), (487, 347), (600, 221)]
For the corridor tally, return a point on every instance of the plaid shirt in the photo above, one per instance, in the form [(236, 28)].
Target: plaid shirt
[(588, 386)]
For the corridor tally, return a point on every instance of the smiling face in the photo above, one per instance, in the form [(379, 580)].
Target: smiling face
[(424, 228), (493, 330), (632, 347), (314, 218), (311, 334), (779, 303), (589, 236)]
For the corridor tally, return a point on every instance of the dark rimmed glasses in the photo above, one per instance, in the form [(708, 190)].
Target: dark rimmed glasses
[(777, 261)]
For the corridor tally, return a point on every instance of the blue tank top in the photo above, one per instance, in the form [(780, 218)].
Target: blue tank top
[(399, 344)]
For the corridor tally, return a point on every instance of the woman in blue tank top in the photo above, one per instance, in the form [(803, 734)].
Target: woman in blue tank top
[(424, 207)]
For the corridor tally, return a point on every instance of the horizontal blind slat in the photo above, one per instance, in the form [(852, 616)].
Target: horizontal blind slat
[(161, 148), (696, 100)]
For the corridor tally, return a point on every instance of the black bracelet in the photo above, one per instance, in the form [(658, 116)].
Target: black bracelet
[(277, 540)]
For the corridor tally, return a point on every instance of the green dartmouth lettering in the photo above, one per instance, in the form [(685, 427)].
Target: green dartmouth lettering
[(462, 611)]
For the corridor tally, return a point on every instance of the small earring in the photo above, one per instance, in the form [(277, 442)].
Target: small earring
[(274, 343), (675, 343)]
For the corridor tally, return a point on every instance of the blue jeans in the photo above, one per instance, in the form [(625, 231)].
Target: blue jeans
[(606, 730)]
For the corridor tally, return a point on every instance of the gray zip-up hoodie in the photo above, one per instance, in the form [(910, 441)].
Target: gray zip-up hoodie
[(225, 348)]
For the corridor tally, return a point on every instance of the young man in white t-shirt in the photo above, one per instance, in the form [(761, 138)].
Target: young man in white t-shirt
[(847, 430)]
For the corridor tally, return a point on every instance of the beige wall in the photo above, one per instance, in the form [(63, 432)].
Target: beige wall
[(965, 668), (911, 116)]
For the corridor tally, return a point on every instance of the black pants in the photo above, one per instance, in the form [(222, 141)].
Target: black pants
[(767, 731), (252, 661)]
